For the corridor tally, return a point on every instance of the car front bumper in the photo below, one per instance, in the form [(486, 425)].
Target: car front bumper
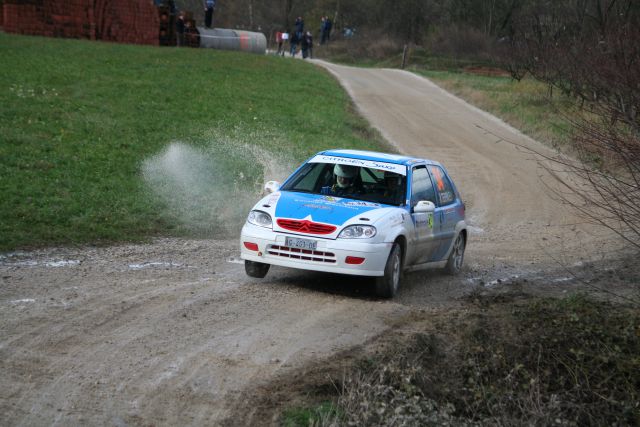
[(330, 255)]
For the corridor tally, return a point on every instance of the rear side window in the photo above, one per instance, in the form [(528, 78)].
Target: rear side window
[(421, 186), (444, 189)]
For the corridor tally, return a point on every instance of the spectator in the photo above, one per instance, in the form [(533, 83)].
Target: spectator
[(285, 39), (293, 41), (180, 29), (307, 45), (328, 25), (323, 30), (299, 27), (164, 37), (279, 41), (208, 12)]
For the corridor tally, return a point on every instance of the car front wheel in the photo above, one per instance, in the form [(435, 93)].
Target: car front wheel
[(454, 263), (387, 285), (256, 269)]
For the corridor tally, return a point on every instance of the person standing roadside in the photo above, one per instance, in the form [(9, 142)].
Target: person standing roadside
[(285, 39), (323, 30), (307, 45), (299, 28), (293, 42), (209, 5), (279, 41), (180, 29), (327, 27)]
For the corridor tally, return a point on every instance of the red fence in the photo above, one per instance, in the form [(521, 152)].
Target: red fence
[(122, 21)]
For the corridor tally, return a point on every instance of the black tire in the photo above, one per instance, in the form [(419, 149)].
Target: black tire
[(387, 285), (256, 269), (456, 257)]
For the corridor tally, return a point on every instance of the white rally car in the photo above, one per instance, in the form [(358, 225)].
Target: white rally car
[(361, 213)]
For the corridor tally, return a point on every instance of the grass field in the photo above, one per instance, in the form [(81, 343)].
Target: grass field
[(525, 104), (103, 142)]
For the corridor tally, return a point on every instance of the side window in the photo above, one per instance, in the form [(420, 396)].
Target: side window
[(421, 186), (444, 189)]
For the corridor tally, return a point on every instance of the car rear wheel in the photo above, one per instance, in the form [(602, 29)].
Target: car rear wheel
[(456, 258), (256, 269), (387, 285)]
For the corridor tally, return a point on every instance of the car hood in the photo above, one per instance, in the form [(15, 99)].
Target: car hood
[(336, 211)]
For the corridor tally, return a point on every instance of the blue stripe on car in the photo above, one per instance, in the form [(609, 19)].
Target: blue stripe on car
[(325, 209)]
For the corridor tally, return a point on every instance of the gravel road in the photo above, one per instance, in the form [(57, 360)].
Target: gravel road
[(173, 332)]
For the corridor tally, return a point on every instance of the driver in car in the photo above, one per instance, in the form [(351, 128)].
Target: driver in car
[(345, 181)]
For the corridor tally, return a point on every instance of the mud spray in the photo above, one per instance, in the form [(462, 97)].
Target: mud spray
[(209, 191)]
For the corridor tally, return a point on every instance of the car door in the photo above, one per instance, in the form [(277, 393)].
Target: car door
[(446, 213), (425, 223)]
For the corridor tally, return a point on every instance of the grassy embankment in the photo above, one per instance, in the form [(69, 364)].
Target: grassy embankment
[(525, 104), (79, 119), (497, 361)]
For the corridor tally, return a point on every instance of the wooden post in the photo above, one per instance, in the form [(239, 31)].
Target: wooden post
[(404, 57)]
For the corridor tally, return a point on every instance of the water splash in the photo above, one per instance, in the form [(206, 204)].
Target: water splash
[(209, 191)]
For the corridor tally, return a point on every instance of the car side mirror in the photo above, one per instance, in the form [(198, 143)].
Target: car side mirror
[(271, 187), (424, 206)]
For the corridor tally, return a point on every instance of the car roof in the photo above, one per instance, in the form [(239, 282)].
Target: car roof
[(376, 156)]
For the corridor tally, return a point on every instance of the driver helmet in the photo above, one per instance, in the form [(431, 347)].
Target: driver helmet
[(345, 175)]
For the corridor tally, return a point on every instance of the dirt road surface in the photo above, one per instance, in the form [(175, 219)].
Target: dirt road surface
[(173, 332)]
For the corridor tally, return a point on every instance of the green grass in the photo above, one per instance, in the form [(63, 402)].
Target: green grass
[(79, 119), (525, 104), (304, 417), (388, 54)]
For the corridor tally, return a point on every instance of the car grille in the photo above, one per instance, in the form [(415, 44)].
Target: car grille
[(304, 226), (302, 254)]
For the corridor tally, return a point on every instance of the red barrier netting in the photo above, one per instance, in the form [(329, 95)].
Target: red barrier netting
[(121, 21)]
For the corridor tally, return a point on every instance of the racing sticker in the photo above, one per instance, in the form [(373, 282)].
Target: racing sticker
[(422, 220), (437, 174), (399, 169), (365, 204), (273, 198), (331, 199), (316, 206)]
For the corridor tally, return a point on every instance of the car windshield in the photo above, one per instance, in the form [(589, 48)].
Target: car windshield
[(355, 182)]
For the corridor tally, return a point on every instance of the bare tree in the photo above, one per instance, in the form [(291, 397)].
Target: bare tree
[(590, 51)]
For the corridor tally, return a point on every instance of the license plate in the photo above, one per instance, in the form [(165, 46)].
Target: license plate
[(294, 242)]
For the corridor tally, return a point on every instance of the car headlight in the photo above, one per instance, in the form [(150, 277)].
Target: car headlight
[(261, 219), (357, 232)]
